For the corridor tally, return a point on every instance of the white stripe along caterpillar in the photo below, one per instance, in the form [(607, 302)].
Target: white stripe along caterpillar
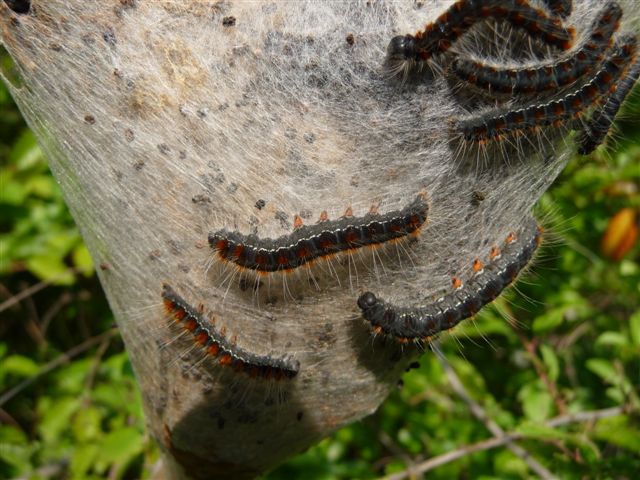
[(327, 237), (439, 36), (487, 282), (216, 345), (550, 75), (600, 122), (556, 112)]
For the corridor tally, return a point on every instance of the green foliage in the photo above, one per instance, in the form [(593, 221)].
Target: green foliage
[(36, 231), (572, 345), (84, 419)]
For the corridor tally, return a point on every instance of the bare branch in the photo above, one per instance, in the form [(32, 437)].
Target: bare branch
[(505, 439), (55, 363), (32, 290), (481, 415)]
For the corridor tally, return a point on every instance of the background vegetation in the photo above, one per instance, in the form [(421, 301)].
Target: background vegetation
[(69, 405)]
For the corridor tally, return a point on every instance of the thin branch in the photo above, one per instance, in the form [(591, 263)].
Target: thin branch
[(62, 301), (33, 289), (449, 457), (481, 414), (55, 363), (530, 348), (502, 440), (592, 416), (96, 361), (17, 298)]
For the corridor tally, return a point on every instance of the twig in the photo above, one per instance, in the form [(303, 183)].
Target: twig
[(33, 289), (395, 449), (32, 322), (17, 298), (530, 347), (505, 439), (480, 414), (55, 363), (96, 361), (50, 314), (592, 416)]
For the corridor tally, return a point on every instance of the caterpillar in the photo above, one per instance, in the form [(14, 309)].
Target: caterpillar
[(556, 112), (439, 36), (548, 75), (325, 238), (487, 282), (600, 122), (216, 345)]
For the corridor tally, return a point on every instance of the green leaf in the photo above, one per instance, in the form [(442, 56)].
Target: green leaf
[(604, 369), (26, 152), (615, 394), (86, 424), (619, 431), (50, 268), (17, 456), (82, 460), (628, 268), (62, 242), (537, 403), (11, 192), (20, 366), (550, 359), (120, 446), (82, 260), (612, 339), (56, 416), (71, 378), (508, 465), (42, 186), (548, 321), (15, 450)]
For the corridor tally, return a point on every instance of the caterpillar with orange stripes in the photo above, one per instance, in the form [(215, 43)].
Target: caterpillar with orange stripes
[(217, 346), (326, 238), (487, 282), (600, 122), (482, 129), (405, 51), (548, 75)]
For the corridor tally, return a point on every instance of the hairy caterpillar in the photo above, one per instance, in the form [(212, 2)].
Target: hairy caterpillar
[(556, 112), (599, 124), (487, 282), (548, 75), (325, 238), (217, 346), (405, 50)]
